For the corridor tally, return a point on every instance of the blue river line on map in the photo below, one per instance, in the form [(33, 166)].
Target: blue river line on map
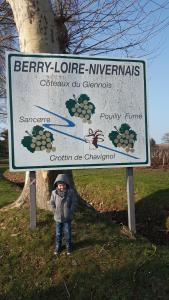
[(70, 124)]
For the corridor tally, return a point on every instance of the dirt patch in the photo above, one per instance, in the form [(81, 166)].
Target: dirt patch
[(17, 178)]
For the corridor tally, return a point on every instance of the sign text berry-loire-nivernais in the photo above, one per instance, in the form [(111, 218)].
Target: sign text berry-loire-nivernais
[(76, 68)]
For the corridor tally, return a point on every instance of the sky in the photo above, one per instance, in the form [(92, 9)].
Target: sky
[(158, 89)]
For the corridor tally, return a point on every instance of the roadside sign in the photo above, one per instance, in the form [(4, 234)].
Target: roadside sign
[(70, 112)]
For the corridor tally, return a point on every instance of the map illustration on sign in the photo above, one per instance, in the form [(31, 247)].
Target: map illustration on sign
[(76, 112)]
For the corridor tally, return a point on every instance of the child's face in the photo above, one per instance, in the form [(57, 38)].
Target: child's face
[(61, 186)]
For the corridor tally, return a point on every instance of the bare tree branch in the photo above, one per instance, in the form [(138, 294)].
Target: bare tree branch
[(111, 26)]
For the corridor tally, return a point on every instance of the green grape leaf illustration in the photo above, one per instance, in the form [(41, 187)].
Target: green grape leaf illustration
[(133, 134), (70, 104), (124, 137), (38, 140), (82, 98), (113, 137), (124, 127), (82, 107), (26, 142), (36, 129)]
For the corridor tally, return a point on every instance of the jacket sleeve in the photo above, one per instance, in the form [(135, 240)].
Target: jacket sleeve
[(52, 201)]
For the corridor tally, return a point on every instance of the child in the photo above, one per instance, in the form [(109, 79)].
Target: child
[(62, 201)]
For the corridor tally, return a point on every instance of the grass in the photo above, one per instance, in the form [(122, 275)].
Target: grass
[(106, 191), (107, 261), (109, 185), (9, 192)]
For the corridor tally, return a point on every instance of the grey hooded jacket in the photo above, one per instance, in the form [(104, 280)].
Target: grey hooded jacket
[(63, 207)]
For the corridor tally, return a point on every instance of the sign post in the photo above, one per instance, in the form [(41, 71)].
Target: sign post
[(32, 176), (130, 200)]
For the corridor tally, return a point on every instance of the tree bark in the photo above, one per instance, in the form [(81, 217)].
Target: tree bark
[(38, 33), (36, 25)]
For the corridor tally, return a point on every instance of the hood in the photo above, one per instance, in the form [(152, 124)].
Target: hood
[(62, 177)]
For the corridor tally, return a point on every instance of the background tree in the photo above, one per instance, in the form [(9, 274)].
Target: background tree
[(165, 138), (4, 135), (153, 147), (78, 27), (4, 143), (8, 40), (152, 143)]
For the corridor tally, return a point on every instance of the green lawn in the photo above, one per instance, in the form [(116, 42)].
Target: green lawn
[(8, 191), (106, 191), (109, 185), (107, 261)]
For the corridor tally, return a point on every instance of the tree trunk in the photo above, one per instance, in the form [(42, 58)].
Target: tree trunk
[(36, 25), (38, 33)]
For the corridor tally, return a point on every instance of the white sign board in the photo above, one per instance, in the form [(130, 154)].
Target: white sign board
[(68, 112)]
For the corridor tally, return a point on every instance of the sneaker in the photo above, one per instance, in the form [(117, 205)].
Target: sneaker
[(69, 250), (57, 252)]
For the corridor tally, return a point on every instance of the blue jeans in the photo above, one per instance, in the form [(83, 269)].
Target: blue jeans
[(67, 234)]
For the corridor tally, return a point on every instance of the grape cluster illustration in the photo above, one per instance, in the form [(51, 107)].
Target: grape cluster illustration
[(39, 140), (81, 108), (125, 137)]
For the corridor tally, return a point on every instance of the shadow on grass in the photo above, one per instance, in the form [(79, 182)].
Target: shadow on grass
[(86, 243), (48, 221), (152, 213)]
